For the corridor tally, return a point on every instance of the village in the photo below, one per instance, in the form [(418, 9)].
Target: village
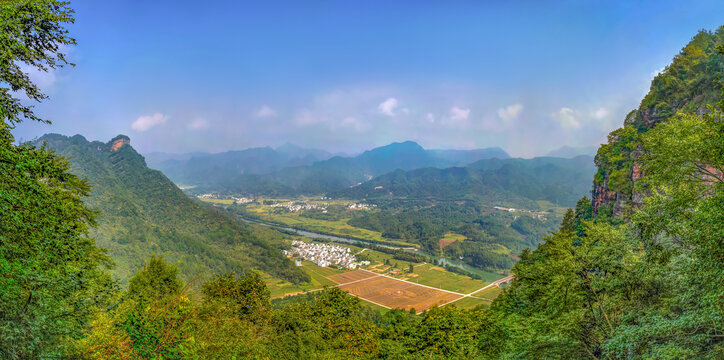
[(324, 254), (536, 214)]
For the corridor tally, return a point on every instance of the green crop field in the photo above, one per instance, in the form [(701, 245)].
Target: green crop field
[(438, 277), (471, 302), (280, 288), (218, 201), (450, 238), (489, 293)]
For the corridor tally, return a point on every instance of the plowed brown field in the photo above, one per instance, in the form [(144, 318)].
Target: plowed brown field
[(391, 293)]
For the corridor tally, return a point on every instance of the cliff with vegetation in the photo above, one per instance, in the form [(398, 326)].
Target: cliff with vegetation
[(690, 84)]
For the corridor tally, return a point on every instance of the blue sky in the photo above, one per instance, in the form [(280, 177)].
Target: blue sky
[(528, 76)]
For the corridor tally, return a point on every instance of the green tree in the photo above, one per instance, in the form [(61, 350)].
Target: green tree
[(51, 272), (33, 33), (151, 320), (246, 296), (682, 226)]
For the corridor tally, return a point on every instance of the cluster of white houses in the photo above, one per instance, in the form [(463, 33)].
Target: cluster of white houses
[(324, 254), (294, 207)]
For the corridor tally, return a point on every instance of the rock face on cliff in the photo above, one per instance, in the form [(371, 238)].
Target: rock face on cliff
[(119, 141), (689, 84)]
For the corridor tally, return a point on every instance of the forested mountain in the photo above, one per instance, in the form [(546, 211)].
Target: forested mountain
[(513, 182), (142, 212), (637, 274), (204, 168), (339, 172), (690, 84)]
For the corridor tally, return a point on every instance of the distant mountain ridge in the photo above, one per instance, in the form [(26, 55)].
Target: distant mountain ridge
[(198, 168), (143, 212), (515, 182), (571, 151), (335, 173)]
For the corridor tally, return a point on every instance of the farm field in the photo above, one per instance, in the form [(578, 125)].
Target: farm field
[(471, 302), (435, 276), (383, 292), (450, 238), (319, 279), (489, 293), (392, 293)]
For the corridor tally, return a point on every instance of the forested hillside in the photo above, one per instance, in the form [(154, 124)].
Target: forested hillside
[(638, 279), (338, 172), (690, 84), (505, 182), (142, 212)]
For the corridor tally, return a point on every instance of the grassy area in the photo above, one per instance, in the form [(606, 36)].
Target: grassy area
[(218, 201), (546, 205), (471, 302), (489, 293), (450, 238), (280, 288), (438, 277)]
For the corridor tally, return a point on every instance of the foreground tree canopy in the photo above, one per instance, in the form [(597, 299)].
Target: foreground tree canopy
[(646, 285)]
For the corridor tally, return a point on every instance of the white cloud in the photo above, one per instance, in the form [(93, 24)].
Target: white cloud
[(305, 117), (567, 118), (600, 113), (354, 123), (266, 112), (146, 122), (430, 118), (387, 107), (510, 113), (199, 124), (457, 113)]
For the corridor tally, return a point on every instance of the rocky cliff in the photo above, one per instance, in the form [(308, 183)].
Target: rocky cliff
[(690, 83)]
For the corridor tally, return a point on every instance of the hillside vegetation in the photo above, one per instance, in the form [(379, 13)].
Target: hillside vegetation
[(511, 182), (142, 212)]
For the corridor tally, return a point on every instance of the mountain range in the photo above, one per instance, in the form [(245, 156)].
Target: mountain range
[(293, 170), (513, 182)]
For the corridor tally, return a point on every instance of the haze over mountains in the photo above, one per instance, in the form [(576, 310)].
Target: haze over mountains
[(513, 182), (293, 169)]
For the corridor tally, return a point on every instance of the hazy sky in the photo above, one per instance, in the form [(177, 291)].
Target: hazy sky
[(528, 76)]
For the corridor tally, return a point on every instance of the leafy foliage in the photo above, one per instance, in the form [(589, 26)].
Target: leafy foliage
[(32, 33), (52, 274), (142, 212)]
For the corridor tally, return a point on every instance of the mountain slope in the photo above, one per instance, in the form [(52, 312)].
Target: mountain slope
[(513, 182), (143, 212), (690, 83), (338, 173), (201, 168)]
